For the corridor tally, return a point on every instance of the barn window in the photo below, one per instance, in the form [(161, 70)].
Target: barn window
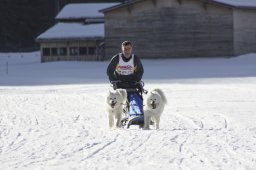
[(46, 52), (92, 50), (83, 50), (73, 51), (62, 51), (54, 51)]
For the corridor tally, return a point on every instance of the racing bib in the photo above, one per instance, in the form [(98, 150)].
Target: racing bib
[(125, 68)]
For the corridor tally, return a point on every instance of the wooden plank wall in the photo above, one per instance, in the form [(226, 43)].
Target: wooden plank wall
[(244, 31), (169, 29)]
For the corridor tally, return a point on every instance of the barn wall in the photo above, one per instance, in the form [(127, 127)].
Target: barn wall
[(167, 28), (244, 31)]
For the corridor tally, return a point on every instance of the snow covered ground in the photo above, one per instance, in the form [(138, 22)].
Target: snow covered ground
[(52, 116)]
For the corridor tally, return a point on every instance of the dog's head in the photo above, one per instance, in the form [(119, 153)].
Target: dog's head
[(116, 97), (153, 100)]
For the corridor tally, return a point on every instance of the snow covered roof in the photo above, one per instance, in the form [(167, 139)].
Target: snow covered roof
[(126, 3), (238, 3), (72, 31), (230, 3), (83, 10)]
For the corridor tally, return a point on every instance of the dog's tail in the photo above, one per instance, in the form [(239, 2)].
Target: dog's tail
[(161, 93), (123, 93)]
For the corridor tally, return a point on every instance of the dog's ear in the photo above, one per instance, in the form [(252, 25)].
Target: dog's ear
[(110, 92), (152, 92)]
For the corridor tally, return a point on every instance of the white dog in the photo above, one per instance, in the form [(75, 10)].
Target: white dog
[(154, 106), (114, 106)]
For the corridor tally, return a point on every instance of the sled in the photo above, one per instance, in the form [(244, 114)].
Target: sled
[(133, 110)]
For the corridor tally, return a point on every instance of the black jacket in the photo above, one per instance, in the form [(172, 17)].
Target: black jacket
[(113, 76)]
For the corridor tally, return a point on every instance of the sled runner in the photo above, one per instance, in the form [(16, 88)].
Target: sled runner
[(133, 110)]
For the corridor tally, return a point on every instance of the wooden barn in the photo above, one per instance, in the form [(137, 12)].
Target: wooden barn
[(78, 35), (182, 28)]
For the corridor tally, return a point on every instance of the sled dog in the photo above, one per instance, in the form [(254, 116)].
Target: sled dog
[(114, 106), (154, 106)]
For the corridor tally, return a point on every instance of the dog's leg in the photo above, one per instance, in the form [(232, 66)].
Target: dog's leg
[(110, 121), (146, 121), (157, 119), (118, 122)]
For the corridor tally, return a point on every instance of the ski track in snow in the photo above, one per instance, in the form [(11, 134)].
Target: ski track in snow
[(65, 127)]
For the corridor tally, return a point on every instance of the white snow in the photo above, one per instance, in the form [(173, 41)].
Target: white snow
[(73, 31), (52, 116), (83, 10), (238, 3)]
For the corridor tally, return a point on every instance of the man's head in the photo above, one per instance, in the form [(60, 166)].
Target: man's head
[(126, 48)]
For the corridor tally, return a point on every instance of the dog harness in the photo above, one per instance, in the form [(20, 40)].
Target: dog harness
[(125, 68)]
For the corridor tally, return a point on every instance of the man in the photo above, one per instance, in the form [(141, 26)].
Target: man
[(125, 71), (125, 67)]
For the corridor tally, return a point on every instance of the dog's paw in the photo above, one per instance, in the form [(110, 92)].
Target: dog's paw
[(146, 128)]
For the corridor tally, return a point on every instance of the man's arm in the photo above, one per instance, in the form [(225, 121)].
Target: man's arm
[(111, 68), (139, 70)]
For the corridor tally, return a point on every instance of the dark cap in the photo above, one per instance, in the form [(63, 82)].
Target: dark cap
[(126, 43)]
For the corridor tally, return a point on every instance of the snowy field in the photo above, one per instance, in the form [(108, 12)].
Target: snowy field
[(52, 116)]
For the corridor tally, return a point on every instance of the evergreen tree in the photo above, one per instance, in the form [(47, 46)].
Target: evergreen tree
[(21, 21)]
